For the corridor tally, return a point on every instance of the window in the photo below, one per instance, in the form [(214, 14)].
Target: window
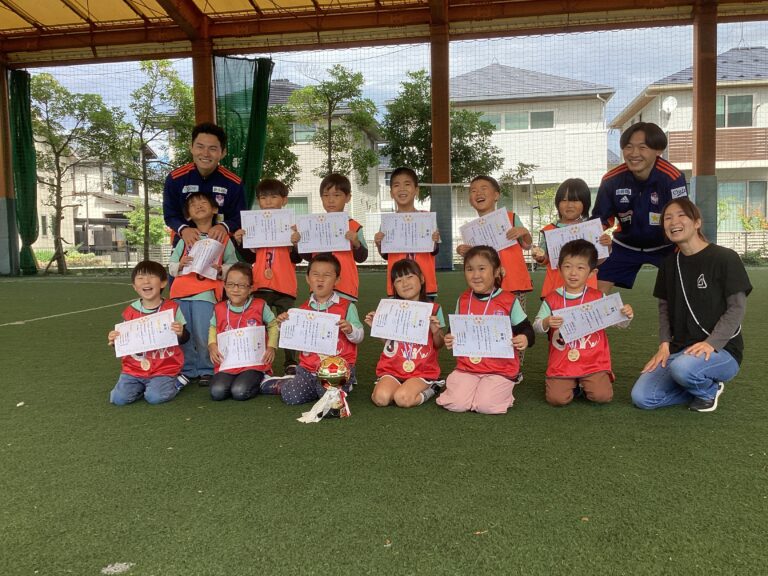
[(44, 226), (529, 120), (737, 200), (541, 120), (733, 111), (388, 177), (516, 120), (494, 118), (303, 132), (298, 204)]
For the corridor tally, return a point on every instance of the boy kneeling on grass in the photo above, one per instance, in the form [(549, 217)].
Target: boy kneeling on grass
[(156, 375), (582, 366)]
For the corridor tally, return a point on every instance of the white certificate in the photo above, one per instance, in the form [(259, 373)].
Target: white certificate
[(204, 253), (242, 347), (489, 230), (578, 321), (408, 232), (479, 336), (590, 230), (310, 331), (150, 332), (402, 320), (323, 232), (267, 228)]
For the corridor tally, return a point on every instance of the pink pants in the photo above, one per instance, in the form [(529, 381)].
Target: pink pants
[(483, 393)]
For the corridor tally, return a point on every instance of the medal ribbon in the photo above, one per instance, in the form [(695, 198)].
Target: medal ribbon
[(240, 317), (572, 345)]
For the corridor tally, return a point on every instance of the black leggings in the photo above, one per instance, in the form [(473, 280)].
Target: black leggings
[(242, 386)]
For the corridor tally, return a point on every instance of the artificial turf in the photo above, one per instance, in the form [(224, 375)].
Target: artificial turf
[(194, 487)]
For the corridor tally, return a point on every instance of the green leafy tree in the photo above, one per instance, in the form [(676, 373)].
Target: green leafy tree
[(407, 129), (69, 129), (279, 160), (161, 115), (343, 118), (134, 233)]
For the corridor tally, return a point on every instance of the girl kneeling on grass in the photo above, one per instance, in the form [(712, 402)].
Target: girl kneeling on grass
[(408, 373), (240, 310), (485, 384)]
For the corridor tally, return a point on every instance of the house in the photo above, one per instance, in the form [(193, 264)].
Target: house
[(742, 131)]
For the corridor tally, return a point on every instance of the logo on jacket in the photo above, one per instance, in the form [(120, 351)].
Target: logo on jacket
[(623, 191), (701, 283), (679, 192), (218, 190), (654, 198)]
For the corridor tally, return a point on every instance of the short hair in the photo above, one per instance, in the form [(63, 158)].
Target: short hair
[(490, 179), (338, 181), (328, 258), (489, 254), (410, 172), (270, 186), (405, 267), (150, 268), (244, 269), (213, 129), (689, 209), (575, 190), (654, 136), (578, 248)]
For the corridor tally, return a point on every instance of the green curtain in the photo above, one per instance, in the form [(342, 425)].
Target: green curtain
[(242, 99), (24, 168)]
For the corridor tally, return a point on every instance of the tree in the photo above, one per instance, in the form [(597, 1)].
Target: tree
[(407, 129), (69, 129), (162, 115), (279, 160), (134, 233), (344, 118)]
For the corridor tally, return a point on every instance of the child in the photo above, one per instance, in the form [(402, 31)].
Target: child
[(583, 365), (408, 373), (572, 201), (274, 270), (404, 187), (322, 274), (240, 310), (336, 192), (156, 375), (197, 294), (484, 193), (485, 385)]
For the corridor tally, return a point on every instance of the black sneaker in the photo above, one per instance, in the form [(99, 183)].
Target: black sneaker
[(204, 380), (438, 385), (707, 405), (290, 370)]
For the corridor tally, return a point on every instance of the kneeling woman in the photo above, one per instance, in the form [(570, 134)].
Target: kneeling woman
[(702, 290)]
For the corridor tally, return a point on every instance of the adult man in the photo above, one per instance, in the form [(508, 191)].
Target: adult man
[(635, 193), (203, 174)]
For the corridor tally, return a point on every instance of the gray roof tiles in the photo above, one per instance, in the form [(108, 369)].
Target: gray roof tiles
[(735, 65)]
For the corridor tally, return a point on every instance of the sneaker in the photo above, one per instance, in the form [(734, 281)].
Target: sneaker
[(273, 384), (517, 379), (290, 370), (437, 385), (204, 380), (707, 405)]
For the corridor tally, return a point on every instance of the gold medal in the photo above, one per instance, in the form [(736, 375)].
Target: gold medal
[(145, 364), (409, 366), (475, 359), (268, 273), (573, 354)]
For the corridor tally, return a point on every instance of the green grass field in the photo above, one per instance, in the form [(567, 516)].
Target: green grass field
[(194, 487)]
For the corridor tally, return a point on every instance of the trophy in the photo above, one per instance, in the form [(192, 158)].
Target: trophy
[(333, 373)]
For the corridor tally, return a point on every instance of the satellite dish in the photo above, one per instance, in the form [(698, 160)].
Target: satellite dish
[(669, 104)]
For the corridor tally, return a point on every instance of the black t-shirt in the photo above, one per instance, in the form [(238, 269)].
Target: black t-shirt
[(710, 276)]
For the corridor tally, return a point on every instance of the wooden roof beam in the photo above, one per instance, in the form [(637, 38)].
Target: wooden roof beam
[(21, 14), (188, 17)]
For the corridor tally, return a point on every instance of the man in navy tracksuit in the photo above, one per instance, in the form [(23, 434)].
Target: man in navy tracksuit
[(634, 194), (204, 174)]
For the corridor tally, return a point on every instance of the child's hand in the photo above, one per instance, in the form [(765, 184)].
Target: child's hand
[(353, 239), (269, 356), (369, 318), (282, 317), (296, 236), (462, 249), (605, 239), (538, 254), (345, 326), (448, 340), (190, 235), (515, 232), (184, 260), (219, 233), (215, 353), (553, 322), (177, 328), (239, 235), (216, 267), (434, 324), (627, 311), (520, 342), (112, 336), (378, 237), (436, 236)]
